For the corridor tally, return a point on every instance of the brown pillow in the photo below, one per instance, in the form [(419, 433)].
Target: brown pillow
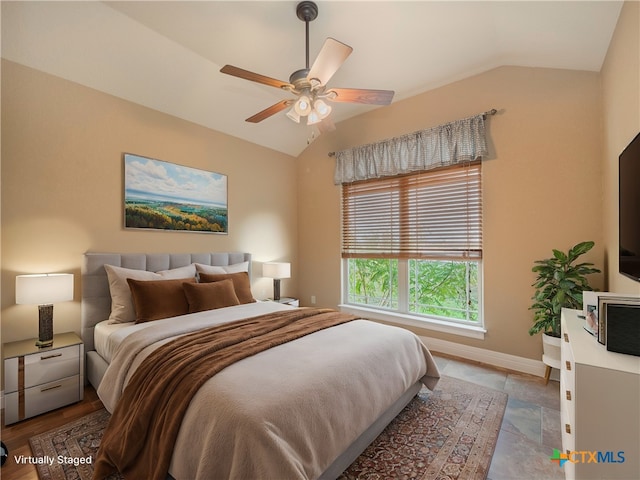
[(241, 283), (209, 296), (156, 299)]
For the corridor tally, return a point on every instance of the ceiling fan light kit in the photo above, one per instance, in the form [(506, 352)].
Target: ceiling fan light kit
[(309, 85)]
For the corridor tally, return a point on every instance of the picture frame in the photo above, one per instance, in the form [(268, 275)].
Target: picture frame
[(165, 196), (590, 309), (603, 303)]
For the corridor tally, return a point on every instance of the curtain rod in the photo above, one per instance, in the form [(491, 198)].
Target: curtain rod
[(493, 111)]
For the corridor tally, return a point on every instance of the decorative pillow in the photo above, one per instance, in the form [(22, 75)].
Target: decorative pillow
[(209, 296), (122, 310), (241, 284), (215, 269), (156, 299)]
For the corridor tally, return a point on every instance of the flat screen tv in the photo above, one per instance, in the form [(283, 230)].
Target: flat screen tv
[(629, 210)]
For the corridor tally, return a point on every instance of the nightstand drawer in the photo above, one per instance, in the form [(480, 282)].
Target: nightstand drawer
[(47, 366), (52, 395)]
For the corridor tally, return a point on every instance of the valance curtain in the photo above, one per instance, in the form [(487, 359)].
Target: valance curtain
[(444, 145)]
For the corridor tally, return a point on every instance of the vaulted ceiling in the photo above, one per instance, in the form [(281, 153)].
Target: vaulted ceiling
[(167, 55)]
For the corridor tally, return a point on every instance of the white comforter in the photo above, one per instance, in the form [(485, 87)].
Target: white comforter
[(285, 413)]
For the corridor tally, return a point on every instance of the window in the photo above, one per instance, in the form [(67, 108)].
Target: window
[(413, 244)]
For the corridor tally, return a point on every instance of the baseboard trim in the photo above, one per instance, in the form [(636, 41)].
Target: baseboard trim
[(489, 357)]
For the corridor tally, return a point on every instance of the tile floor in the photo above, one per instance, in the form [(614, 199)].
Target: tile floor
[(531, 424)]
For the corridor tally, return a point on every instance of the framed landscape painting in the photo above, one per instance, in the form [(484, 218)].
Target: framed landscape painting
[(164, 196)]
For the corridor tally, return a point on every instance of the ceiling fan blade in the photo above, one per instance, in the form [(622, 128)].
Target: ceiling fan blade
[(359, 95), (254, 77), (326, 125), (331, 57), (267, 112)]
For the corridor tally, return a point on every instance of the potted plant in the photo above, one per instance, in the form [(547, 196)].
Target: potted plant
[(559, 285)]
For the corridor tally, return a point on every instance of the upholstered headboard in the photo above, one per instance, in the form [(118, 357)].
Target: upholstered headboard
[(96, 299)]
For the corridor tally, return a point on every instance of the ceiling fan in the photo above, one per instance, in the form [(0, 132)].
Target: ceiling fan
[(309, 85)]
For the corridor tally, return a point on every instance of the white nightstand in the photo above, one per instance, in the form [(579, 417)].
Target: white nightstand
[(37, 380), (294, 302)]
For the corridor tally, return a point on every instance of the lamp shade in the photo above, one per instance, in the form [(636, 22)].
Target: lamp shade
[(302, 106), (43, 289), (322, 108), (313, 118), (293, 115), (276, 270)]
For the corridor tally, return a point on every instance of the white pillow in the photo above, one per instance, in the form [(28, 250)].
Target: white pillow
[(200, 268), (235, 268), (122, 309), (180, 272)]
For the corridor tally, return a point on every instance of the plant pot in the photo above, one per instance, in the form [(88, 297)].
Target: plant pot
[(550, 353), (551, 350)]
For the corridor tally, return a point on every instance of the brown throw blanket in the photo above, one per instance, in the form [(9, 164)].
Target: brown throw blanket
[(141, 434)]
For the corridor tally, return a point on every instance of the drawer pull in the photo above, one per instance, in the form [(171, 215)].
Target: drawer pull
[(567, 428), (568, 394), (568, 364), (566, 337), (50, 388), (51, 356)]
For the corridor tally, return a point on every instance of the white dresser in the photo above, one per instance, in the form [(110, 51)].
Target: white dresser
[(600, 406), (37, 380)]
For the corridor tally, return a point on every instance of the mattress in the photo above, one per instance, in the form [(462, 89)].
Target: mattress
[(107, 336)]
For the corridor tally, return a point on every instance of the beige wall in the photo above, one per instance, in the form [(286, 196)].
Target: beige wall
[(621, 101), (542, 187), (62, 188)]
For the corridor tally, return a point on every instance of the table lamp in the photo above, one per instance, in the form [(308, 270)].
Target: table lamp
[(43, 290), (276, 270)]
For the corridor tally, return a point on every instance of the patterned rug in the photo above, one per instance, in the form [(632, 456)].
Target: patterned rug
[(448, 434)]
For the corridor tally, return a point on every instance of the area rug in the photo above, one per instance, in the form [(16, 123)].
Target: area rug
[(447, 434)]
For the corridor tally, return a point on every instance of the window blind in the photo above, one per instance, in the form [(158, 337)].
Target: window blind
[(429, 215)]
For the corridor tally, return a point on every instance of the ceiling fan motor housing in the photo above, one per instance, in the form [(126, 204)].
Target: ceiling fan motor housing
[(299, 79), (307, 11)]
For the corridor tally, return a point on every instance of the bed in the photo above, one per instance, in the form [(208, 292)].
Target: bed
[(303, 409)]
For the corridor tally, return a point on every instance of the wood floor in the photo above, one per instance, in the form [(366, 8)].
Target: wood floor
[(16, 436)]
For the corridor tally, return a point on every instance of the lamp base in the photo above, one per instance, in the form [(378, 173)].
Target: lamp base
[(45, 326), (276, 289)]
